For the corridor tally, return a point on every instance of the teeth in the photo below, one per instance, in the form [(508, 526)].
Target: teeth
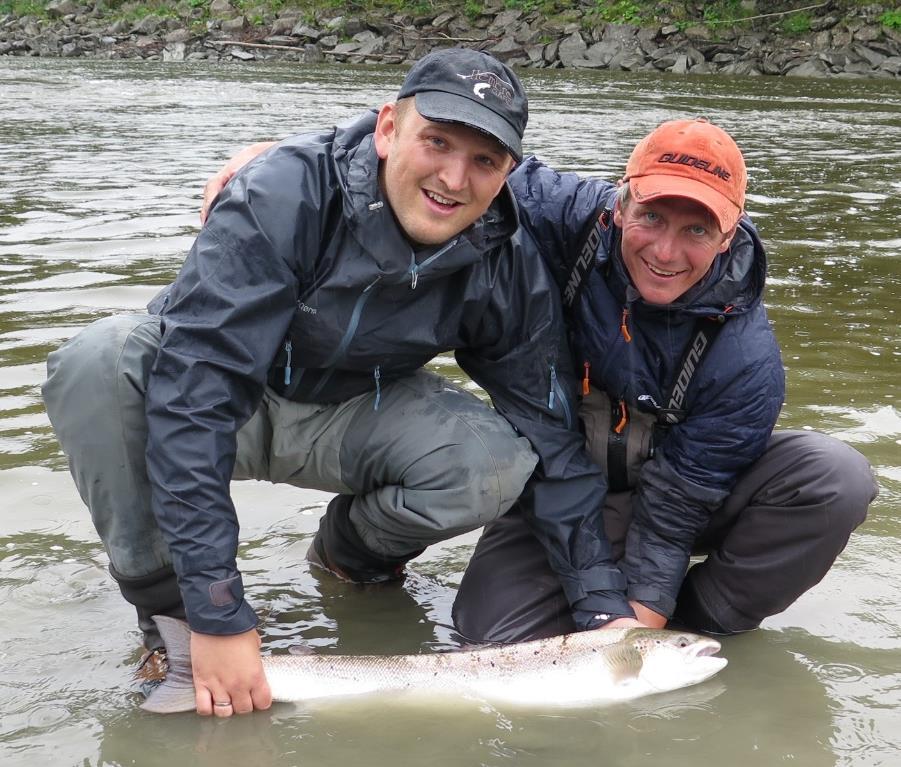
[(439, 199), (661, 272)]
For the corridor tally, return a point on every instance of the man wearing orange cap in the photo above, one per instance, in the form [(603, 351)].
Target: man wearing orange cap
[(662, 279), (683, 383)]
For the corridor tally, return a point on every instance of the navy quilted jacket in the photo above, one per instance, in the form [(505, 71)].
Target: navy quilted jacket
[(733, 399)]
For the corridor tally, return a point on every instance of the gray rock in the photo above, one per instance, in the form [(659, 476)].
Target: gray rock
[(372, 47), (874, 58), (550, 51), (365, 36), (571, 49), (120, 27), (892, 65), (524, 34), (305, 32), (336, 24), (342, 49), (353, 26), (741, 68), (504, 20), (234, 26), (629, 61), (149, 25), (329, 41), (535, 53), (283, 26), (70, 50), (174, 52), (723, 58), (242, 54), (809, 68), (312, 54), (868, 34), (506, 49), (680, 65), (825, 22), (698, 32), (443, 20), (669, 30), (59, 8), (107, 40), (600, 54), (221, 9), (177, 36)]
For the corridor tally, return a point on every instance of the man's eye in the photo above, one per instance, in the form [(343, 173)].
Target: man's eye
[(488, 162), (699, 230), (438, 142), (651, 216)]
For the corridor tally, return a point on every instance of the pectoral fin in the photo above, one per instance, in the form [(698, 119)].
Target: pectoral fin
[(624, 662)]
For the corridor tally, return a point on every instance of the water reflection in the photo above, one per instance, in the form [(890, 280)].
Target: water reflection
[(102, 169)]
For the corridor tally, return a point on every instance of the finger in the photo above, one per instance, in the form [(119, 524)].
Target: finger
[(242, 703), (203, 700), (262, 696), (223, 709)]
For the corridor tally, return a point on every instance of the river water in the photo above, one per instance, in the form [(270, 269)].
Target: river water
[(102, 164)]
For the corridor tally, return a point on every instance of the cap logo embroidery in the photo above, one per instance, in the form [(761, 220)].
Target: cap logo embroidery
[(680, 158), (490, 82)]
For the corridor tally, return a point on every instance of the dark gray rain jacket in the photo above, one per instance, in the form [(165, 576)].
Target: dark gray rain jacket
[(301, 279)]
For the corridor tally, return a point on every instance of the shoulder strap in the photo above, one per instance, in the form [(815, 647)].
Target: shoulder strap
[(581, 262)]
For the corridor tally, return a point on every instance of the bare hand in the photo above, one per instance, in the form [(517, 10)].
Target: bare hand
[(228, 669), (644, 618), (217, 183), (647, 616)]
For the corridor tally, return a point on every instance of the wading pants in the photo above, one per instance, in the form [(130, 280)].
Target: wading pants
[(430, 462), (778, 533)]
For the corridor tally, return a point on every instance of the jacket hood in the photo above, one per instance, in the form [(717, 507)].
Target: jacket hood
[(372, 222)]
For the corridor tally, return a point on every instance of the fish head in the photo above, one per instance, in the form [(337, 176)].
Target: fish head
[(674, 659)]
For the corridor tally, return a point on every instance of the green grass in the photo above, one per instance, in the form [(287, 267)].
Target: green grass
[(891, 19)]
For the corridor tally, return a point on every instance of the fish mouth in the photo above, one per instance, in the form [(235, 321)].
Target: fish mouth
[(705, 648)]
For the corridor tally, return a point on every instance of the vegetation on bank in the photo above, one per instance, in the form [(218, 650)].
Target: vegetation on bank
[(789, 18)]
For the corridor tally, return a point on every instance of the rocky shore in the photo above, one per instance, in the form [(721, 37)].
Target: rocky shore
[(852, 43)]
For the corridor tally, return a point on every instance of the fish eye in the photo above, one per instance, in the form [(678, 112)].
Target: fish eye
[(683, 641)]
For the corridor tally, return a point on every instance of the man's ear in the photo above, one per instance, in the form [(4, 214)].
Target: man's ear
[(727, 239), (617, 214), (385, 129)]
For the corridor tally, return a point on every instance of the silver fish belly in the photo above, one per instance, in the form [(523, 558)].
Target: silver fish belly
[(586, 668)]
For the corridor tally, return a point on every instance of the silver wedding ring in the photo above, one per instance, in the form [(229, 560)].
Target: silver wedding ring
[(222, 705)]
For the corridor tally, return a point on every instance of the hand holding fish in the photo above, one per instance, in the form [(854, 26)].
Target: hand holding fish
[(228, 674)]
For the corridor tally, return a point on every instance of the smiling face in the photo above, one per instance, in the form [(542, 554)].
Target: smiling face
[(438, 177), (668, 245)]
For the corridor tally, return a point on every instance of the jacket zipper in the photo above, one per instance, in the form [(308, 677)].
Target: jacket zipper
[(288, 348), (556, 393), (416, 268), (349, 333), (378, 388)]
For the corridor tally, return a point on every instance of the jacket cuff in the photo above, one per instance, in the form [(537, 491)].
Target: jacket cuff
[(217, 606), (597, 596), (653, 598)]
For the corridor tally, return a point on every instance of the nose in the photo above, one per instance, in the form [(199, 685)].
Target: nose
[(454, 173), (665, 246)]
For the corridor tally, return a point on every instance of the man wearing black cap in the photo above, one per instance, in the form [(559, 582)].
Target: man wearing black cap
[(290, 348)]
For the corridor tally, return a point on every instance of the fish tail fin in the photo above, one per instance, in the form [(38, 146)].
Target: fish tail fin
[(176, 693)]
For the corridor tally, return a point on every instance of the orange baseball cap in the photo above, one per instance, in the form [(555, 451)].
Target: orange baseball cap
[(693, 159)]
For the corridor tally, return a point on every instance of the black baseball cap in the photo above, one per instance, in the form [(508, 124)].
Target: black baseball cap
[(460, 85)]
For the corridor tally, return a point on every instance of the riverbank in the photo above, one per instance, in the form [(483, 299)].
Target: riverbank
[(743, 37)]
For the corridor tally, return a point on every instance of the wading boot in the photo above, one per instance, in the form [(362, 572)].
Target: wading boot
[(338, 549)]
